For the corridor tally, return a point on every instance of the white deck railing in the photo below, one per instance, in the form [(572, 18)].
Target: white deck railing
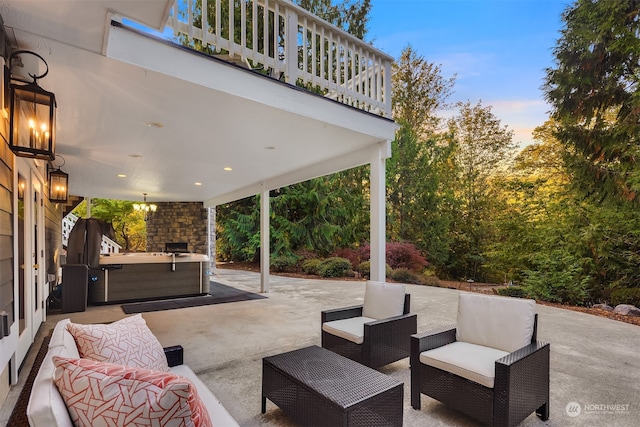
[(107, 246), (288, 42)]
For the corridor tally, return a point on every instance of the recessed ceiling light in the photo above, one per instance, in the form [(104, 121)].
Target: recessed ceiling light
[(121, 175), (228, 168), (198, 183), (155, 125), (136, 156)]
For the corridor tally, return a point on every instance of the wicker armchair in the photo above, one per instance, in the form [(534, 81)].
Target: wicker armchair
[(499, 385), (376, 333)]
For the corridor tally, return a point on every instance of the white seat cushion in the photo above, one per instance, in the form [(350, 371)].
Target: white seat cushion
[(220, 417), (46, 407), (351, 329), (383, 300), (503, 323), (470, 361)]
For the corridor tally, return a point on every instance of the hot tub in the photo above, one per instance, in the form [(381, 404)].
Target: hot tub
[(149, 275)]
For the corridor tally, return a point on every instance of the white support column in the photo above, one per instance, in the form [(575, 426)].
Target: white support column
[(211, 239), (378, 210), (264, 239)]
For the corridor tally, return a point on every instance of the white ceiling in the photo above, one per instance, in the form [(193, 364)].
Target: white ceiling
[(112, 84)]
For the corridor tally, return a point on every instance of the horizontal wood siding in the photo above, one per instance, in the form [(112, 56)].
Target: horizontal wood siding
[(6, 230)]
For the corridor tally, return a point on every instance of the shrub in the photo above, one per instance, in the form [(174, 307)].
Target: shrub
[(283, 263), (404, 275), (335, 267), (430, 280), (559, 278), (626, 296), (364, 268), (405, 255), (399, 255), (512, 291), (311, 266), (351, 254)]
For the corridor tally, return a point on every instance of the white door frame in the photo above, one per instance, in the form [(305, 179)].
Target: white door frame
[(33, 267)]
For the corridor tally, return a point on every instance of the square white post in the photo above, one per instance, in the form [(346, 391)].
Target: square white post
[(264, 240), (378, 236)]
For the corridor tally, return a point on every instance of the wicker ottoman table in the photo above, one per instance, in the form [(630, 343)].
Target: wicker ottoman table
[(317, 387)]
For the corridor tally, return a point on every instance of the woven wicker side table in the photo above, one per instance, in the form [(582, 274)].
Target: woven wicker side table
[(317, 387)]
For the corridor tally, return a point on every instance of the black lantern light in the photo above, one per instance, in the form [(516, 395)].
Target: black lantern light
[(33, 116), (58, 185)]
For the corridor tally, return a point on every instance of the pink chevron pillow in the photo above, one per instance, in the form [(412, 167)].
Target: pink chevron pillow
[(128, 341), (105, 394)]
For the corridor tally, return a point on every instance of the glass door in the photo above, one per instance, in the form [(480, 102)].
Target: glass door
[(30, 247)]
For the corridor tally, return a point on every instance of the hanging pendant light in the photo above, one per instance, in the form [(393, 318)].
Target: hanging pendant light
[(147, 209)]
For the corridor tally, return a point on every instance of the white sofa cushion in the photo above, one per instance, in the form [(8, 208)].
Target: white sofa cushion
[(46, 407), (470, 361), (61, 336), (383, 300), (351, 329), (217, 413), (128, 341), (106, 394), (503, 323)]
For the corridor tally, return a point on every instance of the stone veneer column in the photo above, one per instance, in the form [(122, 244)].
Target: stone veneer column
[(178, 222)]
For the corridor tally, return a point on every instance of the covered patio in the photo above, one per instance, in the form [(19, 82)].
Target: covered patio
[(593, 359)]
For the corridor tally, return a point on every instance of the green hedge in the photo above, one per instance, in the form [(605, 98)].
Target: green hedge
[(512, 291), (335, 267), (626, 296)]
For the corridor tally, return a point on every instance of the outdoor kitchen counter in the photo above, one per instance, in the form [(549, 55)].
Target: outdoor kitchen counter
[(143, 276)]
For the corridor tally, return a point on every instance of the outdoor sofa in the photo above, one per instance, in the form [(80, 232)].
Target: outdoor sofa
[(48, 408)]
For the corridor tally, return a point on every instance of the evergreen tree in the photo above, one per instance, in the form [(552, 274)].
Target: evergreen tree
[(594, 91)]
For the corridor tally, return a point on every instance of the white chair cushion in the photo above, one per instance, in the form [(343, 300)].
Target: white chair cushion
[(351, 329), (473, 362), (503, 323), (383, 300)]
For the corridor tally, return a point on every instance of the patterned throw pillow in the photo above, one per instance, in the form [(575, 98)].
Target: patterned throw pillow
[(105, 394), (127, 342)]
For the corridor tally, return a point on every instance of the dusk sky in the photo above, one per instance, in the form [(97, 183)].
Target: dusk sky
[(499, 49)]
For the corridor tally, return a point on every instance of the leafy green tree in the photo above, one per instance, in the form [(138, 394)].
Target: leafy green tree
[(419, 93), (350, 15), (238, 230), (482, 149), (419, 170), (594, 92), (128, 225)]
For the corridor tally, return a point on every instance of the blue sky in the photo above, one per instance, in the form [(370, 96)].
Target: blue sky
[(499, 49)]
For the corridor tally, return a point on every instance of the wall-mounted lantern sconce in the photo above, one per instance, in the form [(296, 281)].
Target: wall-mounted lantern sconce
[(22, 186), (58, 185), (33, 115)]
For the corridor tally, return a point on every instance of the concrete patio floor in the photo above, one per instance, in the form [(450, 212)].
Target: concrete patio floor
[(594, 361)]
